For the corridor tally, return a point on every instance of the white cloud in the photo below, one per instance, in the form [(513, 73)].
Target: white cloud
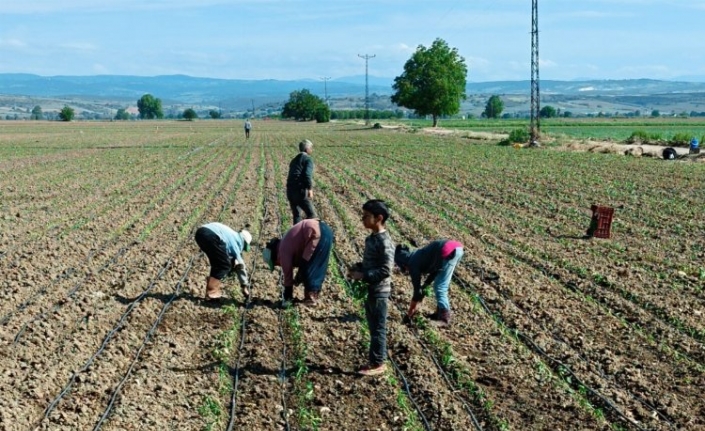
[(12, 43), (78, 46)]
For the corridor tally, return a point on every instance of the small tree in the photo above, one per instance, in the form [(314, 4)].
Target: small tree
[(548, 111), (150, 107), (214, 114), (433, 82), (322, 114), (66, 114), (655, 113), (122, 114), (494, 107), (189, 114), (36, 113)]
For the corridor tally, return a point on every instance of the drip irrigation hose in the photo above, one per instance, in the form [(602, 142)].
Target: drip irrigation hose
[(280, 317), (342, 270), (450, 384), (52, 405), (146, 339), (494, 277), (71, 293), (156, 323), (243, 323), (64, 275), (560, 367), (122, 319), (399, 373), (29, 301)]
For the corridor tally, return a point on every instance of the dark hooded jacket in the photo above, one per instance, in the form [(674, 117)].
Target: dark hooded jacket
[(300, 176), (425, 260)]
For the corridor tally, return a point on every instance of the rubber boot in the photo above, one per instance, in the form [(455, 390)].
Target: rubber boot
[(213, 288), (443, 318)]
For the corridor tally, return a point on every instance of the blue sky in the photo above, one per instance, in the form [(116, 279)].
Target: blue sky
[(311, 39)]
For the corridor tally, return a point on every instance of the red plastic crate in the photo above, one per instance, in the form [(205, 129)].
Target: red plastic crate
[(601, 222)]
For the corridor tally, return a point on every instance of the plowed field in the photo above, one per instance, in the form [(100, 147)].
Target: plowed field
[(103, 323)]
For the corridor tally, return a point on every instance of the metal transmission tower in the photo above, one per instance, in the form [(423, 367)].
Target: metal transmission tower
[(325, 87), (535, 127), (367, 87)]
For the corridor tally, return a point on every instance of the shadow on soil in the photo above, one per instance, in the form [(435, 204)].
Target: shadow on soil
[(259, 370), (553, 235), (165, 297), (345, 318)]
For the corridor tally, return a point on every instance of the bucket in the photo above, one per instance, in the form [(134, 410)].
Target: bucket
[(694, 146), (601, 222)]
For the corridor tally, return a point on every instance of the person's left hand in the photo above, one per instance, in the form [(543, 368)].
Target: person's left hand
[(310, 193)]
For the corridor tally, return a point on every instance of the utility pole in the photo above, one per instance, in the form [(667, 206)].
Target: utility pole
[(253, 108), (535, 127), (325, 88), (367, 88)]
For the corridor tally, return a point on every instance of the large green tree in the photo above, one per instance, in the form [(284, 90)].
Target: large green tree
[(303, 105), (189, 114), (433, 82), (494, 107), (36, 113), (122, 114), (150, 107), (66, 114), (548, 111)]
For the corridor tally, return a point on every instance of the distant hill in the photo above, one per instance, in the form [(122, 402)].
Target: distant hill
[(235, 94)]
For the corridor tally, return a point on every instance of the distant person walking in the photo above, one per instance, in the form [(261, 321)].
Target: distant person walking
[(248, 127), (224, 248), (299, 183), (437, 261)]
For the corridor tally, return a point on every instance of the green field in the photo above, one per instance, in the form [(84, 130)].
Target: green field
[(614, 129), (103, 323)]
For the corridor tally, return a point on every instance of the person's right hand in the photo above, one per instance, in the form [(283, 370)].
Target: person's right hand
[(310, 193), (413, 309)]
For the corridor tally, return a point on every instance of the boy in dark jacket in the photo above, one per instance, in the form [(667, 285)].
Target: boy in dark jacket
[(376, 270), (438, 260)]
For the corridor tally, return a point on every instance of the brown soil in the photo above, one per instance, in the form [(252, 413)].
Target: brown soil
[(103, 322)]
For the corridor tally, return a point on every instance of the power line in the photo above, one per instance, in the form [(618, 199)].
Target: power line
[(367, 87), (325, 87)]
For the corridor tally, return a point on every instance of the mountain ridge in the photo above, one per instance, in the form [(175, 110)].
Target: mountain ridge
[(239, 94)]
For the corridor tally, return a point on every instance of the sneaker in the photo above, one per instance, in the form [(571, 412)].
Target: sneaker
[(372, 370), (443, 319)]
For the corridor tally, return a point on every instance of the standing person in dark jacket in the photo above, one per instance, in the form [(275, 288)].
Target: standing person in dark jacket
[(438, 261), (299, 182), (306, 246), (376, 270), (224, 248)]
